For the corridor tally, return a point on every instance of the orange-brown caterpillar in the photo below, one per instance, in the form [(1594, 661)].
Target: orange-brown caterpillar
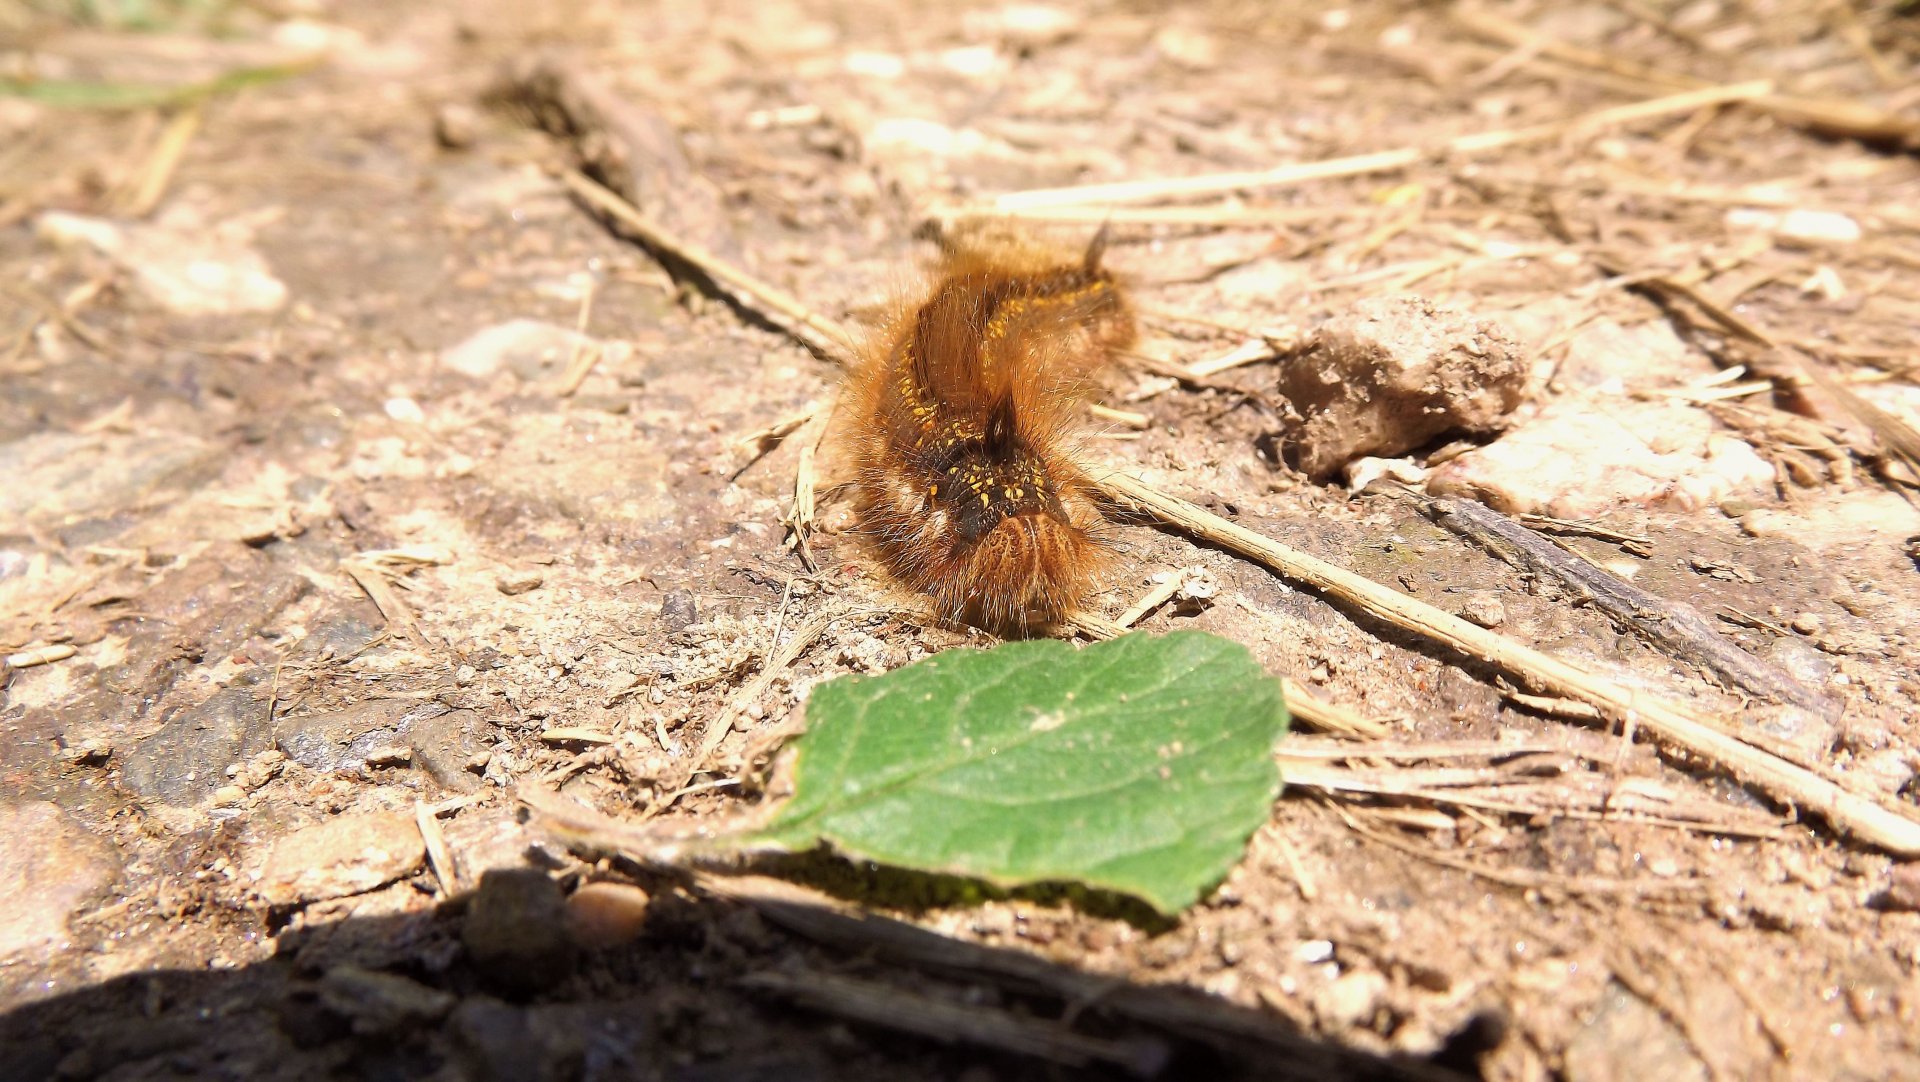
[(962, 417)]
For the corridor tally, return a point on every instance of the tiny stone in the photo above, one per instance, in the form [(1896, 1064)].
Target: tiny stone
[(518, 582), (515, 931), (677, 611), (602, 915), (1807, 623), (1351, 1000), (228, 795), (465, 675), (405, 410), (1903, 889), (89, 752), (524, 346), (1314, 951), (390, 755), (478, 762), (455, 125), (1483, 609)]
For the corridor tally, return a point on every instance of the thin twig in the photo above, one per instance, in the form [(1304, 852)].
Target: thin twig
[(894, 1007), (815, 331), (1849, 814), (1520, 878), (1674, 628)]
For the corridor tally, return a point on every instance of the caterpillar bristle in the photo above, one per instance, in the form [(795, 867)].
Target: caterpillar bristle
[(963, 418)]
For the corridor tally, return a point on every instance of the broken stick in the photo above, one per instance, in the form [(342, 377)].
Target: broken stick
[(1849, 814)]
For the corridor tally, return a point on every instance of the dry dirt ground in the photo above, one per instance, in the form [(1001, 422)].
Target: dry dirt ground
[(355, 475)]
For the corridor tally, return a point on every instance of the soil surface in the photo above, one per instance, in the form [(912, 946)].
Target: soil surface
[(357, 476)]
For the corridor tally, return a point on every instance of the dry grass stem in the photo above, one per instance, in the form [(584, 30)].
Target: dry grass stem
[(376, 582), (1128, 418), (764, 438), (1329, 716), (1631, 543), (1827, 116), (150, 185), (1516, 788), (439, 859), (1145, 191), (39, 655), (1554, 707), (1901, 441), (570, 734), (1159, 594)]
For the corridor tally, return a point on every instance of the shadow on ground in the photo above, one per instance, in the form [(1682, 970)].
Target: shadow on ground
[(708, 993)]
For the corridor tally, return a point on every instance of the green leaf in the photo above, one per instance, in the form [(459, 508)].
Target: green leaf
[(1139, 765), (82, 94)]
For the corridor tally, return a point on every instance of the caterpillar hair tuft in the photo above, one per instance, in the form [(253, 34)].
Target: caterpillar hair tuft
[(963, 420)]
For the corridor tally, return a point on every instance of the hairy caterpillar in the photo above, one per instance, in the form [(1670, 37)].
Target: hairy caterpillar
[(963, 415)]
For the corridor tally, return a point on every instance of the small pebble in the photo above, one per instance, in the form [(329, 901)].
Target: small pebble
[(518, 582), (390, 755), (375, 1004), (602, 915), (1483, 609), (455, 126), (1903, 890), (228, 795), (1807, 623), (89, 752), (1314, 951), (678, 611), (515, 931), (1351, 1000), (405, 410)]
